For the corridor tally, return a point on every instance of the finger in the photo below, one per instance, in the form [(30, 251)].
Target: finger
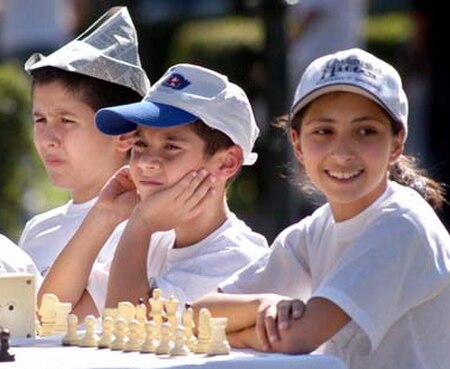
[(284, 315), (261, 333), (201, 193), (298, 309), (271, 325)]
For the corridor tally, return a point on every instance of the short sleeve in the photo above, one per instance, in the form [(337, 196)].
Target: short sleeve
[(391, 268), (284, 270)]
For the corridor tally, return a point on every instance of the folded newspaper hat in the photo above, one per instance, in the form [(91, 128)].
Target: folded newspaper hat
[(357, 71), (186, 93), (107, 50)]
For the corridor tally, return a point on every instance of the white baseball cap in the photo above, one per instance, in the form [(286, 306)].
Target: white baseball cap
[(357, 71), (107, 50), (184, 94)]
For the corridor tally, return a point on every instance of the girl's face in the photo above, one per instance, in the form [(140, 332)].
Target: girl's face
[(75, 154), (346, 145)]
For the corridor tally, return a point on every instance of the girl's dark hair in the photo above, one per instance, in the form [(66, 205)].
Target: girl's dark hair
[(214, 140), (94, 92), (405, 170)]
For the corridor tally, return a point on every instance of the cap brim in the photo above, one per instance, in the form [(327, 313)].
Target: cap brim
[(125, 118)]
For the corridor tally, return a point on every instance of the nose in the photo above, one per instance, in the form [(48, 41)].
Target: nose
[(46, 135), (149, 161), (343, 149)]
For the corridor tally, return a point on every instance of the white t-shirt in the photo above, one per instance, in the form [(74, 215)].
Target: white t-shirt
[(46, 234), (15, 260), (388, 268), (193, 271)]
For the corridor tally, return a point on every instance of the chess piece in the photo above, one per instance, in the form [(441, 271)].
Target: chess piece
[(188, 324), (156, 303), (120, 334), (134, 342), (141, 317), (47, 313), (171, 306), (107, 332), (90, 338), (126, 310), (204, 332), (218, 344), (180, 348), (5, 355), (71, 338), (150, 342), (110, 312), (165, 345), (62, 311)]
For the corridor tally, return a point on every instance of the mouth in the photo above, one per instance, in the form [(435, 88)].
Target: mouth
[(344, 175), (52, 161), (149, 183)]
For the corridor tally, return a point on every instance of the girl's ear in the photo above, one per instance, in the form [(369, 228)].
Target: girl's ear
[(398, 145), (124, 142), (228, 162), (296, 145)]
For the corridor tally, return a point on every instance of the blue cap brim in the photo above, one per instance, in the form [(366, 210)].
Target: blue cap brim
[(125, 118)]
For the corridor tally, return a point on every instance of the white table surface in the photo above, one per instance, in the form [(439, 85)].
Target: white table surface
[(47, 353)]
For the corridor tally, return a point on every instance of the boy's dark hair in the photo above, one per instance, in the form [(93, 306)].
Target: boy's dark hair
[(214, 140), (405, 170), (94, 92)]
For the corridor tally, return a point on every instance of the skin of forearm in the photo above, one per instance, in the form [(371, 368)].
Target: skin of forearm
[(240, 309), (128, 274), (77, 258)]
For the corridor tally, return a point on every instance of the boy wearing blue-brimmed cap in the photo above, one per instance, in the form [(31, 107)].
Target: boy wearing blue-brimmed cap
[(192, 133)]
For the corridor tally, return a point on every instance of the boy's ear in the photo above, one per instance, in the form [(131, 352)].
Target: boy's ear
[(124, 142), (296, 145), (228, 162)]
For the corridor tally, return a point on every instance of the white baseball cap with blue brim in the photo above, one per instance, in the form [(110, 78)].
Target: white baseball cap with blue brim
[(358, 71), (184, 94)]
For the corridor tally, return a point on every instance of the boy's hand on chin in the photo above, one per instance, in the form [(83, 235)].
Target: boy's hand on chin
[(179, 203), (119, 195)]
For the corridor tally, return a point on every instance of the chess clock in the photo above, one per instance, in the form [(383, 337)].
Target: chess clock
[(18, 304)]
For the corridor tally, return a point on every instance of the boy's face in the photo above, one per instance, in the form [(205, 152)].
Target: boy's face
[(160, 157), (75, 154)]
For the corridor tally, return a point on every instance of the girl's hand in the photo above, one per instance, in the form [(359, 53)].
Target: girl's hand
[(276, 314)]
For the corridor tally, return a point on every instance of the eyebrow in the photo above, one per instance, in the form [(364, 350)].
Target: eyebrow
[(167, 136)]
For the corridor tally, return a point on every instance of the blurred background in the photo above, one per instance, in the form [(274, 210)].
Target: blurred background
[(262, 45)]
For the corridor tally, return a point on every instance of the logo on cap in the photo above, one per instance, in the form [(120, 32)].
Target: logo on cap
[(176, 81), (341, 68)]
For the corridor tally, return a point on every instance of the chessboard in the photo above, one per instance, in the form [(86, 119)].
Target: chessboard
[(130, 337)]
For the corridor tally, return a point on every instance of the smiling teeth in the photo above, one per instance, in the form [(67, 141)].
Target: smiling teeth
[(341, 175)]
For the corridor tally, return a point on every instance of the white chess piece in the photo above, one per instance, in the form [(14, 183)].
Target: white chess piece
[(62, 311), (188, 323), (90, 338), (120, 334), (171, 306), (156, 303), (134, 342), (165, 344), (219, 344), (107, 332), (180, 348), (47, 314), (141, 317), (126, 310), (72, 338), (204, 331), (150, 341)]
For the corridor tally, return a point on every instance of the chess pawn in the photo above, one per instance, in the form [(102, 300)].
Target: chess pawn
[(171, 306), (62, 311), (107, 332), (179, 348), (165, 345), (90, 338), (150, 341), (188, 324), (126, 310), (120, 334), (72, 338), (219, 344), (134, 342), (204, 333), (47, 314)]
